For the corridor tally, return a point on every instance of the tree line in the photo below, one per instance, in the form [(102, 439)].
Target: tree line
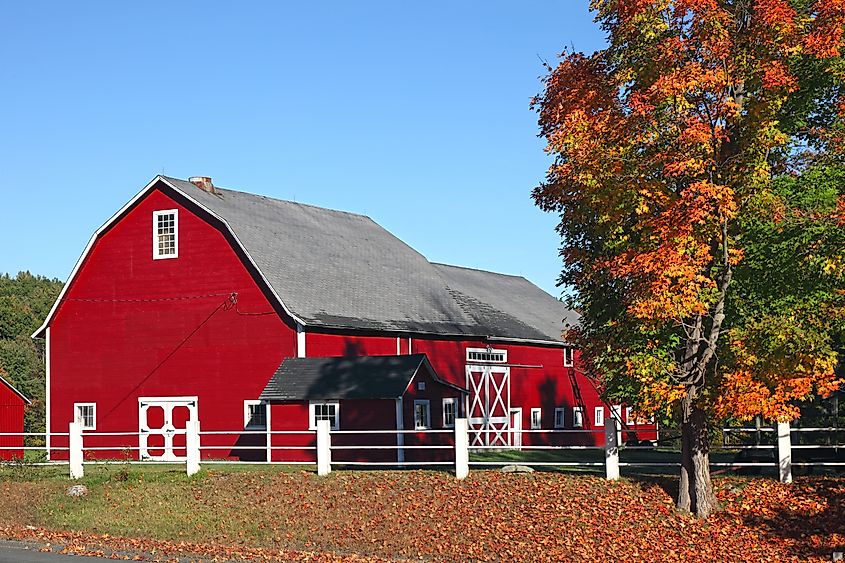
[(25, 300)]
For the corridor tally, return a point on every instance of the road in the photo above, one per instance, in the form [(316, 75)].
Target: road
[(19, 552)]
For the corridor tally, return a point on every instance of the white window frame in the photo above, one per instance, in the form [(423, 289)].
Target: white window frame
[(560, 417), (538, 423), (454, 402), (629, 419), (77, 416), (248, 418), (156, 215), (312, 421), (422, 403), (486, 356), (420, 385), (577, 417), (568, 357), (598, 416)]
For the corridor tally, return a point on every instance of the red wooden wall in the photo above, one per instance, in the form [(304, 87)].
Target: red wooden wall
[(11, 421), (119, 333), (371, 414)]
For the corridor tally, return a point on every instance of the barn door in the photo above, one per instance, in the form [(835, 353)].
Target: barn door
[(489, 405), (162, 427)]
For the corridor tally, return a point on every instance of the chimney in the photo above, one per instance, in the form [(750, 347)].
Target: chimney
[(203, 183)]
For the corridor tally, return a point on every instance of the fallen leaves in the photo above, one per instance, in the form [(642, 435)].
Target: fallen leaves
[(489, 516)]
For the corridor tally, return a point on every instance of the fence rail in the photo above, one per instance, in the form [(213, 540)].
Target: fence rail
[(328, 448)]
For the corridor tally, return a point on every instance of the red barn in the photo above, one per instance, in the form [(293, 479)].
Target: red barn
[(189, 299), (12, 406)]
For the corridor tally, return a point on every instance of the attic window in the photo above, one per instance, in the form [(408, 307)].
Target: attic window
[(486, 355), (165, 234)]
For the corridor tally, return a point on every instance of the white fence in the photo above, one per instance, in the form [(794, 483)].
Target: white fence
[(328, 448)]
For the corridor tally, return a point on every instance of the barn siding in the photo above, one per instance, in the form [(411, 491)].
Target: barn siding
[(11, 420), (110, 351)]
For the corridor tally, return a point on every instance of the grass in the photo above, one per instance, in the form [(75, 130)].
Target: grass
[(225, 510)]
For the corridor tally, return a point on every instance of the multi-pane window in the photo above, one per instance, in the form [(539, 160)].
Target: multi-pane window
[(421, 386), (450, 411), (577, 417), (166, 234), (255, 414), (325, 411), (569, 356), (487, 355), (422, 415), (536, 419), (598, 415), (86, 415), (560, 420)]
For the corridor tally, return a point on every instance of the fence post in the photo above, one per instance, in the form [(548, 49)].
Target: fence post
[(461, 448), (75, 450), (192, 446), (611, 449), (784, 453), (324, 447)]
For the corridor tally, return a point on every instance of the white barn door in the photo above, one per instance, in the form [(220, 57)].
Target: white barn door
[(162, 427), (489, 405)]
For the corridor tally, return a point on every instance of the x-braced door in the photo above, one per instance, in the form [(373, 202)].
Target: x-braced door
[(162, 427), (489, 405)]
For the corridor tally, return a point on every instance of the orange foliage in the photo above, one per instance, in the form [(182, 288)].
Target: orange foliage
[(657, 153)]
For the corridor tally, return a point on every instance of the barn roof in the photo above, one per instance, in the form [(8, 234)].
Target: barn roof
[(15, 391), (342, 270), (338, 270), (358, 377)]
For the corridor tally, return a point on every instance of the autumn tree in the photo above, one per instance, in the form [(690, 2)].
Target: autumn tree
[(704, 254)]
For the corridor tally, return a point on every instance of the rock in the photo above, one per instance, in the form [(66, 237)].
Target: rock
[(77, 491), (517, 469)]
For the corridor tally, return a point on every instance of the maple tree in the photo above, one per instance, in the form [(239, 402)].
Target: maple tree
[(704, 258)]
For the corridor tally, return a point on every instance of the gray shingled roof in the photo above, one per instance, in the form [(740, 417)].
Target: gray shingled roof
[(341, 270), (358, 377)]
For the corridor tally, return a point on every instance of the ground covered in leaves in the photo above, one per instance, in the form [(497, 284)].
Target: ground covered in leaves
[(270, 514)]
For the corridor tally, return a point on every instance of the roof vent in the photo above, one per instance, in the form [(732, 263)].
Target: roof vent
[(203, 183)]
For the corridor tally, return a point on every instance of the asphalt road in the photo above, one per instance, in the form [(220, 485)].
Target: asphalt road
[(19, 552)]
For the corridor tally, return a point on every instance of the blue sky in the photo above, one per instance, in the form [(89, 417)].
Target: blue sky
[(415, 114)]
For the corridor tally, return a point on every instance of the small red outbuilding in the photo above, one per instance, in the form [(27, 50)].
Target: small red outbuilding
[(362, 394), (12, 406)]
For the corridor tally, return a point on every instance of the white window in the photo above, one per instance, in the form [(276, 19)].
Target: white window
[(598, 416), (577, 417), (86, 415), (324, 411), (560, 420), (629, 416), (422, 415), (536, 419), (568, 357), (486, 355), (255, 415), (450, 411), (421, 386), (165, 234)]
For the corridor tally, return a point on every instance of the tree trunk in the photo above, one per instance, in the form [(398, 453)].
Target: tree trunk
[(695, 493)]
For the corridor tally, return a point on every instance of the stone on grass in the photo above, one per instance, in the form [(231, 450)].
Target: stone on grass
[(77, 491), (517, 469)]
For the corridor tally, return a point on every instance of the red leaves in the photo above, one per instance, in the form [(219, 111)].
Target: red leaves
[(488, 517)]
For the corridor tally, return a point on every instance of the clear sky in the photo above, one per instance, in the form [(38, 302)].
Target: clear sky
[(414, 113)]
